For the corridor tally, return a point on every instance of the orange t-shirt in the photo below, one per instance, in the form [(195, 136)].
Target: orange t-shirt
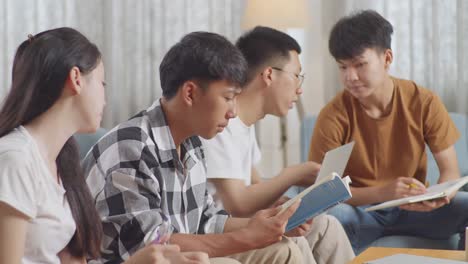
[(388, 147)]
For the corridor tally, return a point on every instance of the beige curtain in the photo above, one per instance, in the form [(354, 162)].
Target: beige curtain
[(430, 44), (133, 36)]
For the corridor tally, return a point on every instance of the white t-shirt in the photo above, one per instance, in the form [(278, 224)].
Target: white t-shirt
[(232, 153), (27, 185)]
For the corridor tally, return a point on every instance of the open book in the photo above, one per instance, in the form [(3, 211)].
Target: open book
[(434, 192), (318, 198), (328, 190)]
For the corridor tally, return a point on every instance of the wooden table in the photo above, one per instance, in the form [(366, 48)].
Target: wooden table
[(373, 253)]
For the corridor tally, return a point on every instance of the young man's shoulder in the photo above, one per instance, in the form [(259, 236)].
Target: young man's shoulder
[(133, 130), (145, 127), (235, 130), (128, 141), (339, 105), (410, 90)]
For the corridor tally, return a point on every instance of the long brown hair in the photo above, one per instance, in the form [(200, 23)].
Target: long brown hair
[(40, 69)]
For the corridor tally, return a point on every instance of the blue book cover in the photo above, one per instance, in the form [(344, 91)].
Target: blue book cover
[(328, 190), (318, 198)]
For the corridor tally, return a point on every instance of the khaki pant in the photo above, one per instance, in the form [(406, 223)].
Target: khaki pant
[(305, 249), (328, 242), (285, 251), (223, 261)]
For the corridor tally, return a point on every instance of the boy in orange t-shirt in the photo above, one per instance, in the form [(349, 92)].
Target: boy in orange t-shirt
[(390, 120)]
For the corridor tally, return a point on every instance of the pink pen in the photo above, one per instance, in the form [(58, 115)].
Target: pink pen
[(163, 233)]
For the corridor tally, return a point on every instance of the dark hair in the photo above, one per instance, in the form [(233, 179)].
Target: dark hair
[(353, 34), (40, 69), (263, 45), (202, 57)]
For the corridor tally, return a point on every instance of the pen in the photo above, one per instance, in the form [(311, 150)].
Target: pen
[(162, 233)]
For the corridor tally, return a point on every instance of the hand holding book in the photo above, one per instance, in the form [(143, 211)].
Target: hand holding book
[(302, 229), (399, 188), (318, 198), (328, 190), (442, 192), (427, 205)]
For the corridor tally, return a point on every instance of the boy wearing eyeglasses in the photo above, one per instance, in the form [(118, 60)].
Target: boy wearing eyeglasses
[(273, 85)]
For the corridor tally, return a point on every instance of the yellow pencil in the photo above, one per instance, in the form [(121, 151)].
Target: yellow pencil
[(414, 185)]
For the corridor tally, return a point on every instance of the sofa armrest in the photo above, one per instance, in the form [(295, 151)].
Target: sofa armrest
[(307, 128), (87, 141)]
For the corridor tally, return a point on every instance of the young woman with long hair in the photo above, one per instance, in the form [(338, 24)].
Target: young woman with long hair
[(47, 214)]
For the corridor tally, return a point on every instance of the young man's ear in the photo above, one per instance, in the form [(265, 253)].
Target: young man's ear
[(74, 82), (266, 75), (388, 58), (189, 92)]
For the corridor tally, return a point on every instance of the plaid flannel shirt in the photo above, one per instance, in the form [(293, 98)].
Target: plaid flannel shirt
[(137, 179)]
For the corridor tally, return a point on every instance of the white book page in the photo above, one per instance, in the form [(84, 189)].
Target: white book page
[(439, 190), (335, 160), (448, 186), (433, 192), (333, 165)]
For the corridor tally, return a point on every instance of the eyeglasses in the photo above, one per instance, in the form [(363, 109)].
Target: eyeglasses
[(300, 77)]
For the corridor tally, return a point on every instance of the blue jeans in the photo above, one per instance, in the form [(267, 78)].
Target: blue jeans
[(363, 227)]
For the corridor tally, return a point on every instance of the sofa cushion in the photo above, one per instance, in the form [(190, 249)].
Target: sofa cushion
[(86, 141), (307, 127), (461, 147), (417, 242)]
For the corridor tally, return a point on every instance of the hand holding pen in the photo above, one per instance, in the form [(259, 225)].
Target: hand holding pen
[(162, 233)]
